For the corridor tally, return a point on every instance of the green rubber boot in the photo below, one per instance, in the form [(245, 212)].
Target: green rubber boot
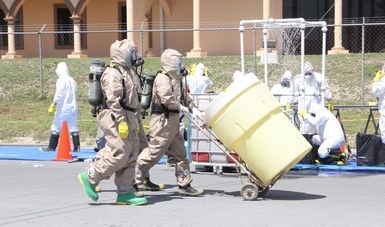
[(89, 189), (130, 199)]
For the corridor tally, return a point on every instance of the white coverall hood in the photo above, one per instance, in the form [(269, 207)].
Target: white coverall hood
[(62, 70), (313, 108), (286, 75), (199, 70), (308, 68)]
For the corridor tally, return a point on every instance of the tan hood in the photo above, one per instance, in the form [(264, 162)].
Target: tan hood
[(168, 59), (119, 50)]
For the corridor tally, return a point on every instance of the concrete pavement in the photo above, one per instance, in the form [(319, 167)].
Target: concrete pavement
[(50, 195)]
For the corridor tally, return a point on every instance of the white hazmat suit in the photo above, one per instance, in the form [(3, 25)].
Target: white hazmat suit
[(198, 83), (330, 134), (284, 90), (65, 100), (311, 86), (66, 109)]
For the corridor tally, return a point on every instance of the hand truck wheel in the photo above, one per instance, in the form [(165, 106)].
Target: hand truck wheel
[(249, 191)]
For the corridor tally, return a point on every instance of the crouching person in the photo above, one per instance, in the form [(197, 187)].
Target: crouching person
[(330, 136)]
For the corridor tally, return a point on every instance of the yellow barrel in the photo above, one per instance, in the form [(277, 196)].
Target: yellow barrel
[(247, 118)]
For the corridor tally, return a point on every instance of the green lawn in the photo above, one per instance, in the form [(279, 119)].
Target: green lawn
[(24, 99)]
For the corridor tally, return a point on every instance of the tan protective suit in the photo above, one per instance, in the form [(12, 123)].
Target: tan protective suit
[(164, 132), (118, 156)]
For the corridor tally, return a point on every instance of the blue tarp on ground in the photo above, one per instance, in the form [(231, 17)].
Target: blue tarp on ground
[(351, 166), (33, 153)]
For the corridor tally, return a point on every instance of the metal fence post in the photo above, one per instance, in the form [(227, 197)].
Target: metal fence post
[(41, 62), (363, 61), (141, 39)]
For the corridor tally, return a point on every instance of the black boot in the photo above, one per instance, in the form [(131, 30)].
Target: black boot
[(76, 141), (338, 156), (335, 154), (188, 190), (137, 192), (327, 160), (53, 140), (149, 186)]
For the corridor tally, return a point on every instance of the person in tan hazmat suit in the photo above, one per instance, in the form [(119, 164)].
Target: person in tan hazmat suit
[(142, 141), (168, 98), (119, 124)]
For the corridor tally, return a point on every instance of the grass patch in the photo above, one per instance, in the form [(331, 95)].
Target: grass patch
[(24, 98)]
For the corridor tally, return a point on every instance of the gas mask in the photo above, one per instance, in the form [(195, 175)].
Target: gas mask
[(180, 70), (132, 58), (308, 75), (183, 71), (285, 83)]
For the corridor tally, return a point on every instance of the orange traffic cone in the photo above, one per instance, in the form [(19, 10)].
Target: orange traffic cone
[(342, 148), (64, 150)]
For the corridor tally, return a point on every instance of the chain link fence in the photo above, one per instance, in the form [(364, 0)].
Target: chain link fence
[(349, 75), (346, 73)]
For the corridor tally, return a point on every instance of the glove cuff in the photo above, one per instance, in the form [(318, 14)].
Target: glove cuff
[(121, 120)]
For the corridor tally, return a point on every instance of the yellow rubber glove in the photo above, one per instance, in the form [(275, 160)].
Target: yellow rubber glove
[(51, 108), (137, 126), (330, 105), (378, 76), (288, 108), (303, 113), (123, 128)]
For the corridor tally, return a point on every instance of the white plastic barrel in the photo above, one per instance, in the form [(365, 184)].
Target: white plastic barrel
[(247, 118)]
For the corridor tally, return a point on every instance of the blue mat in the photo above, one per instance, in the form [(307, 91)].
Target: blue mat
[(33, 153), (351, 166)]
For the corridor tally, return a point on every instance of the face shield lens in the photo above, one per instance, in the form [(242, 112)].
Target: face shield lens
[(131, 56), (178, 65)]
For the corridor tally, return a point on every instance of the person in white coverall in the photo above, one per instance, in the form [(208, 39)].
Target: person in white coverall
[(168, 99), (378, 89), (312, 85), (66, 109), (284, 92), (199, 82), (119, 123), (330, 136)]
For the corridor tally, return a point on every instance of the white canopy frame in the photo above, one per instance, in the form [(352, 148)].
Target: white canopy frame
[(294, 22)]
